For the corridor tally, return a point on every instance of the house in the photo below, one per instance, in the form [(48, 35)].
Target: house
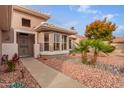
[(77, 38), (5, 22), (27, 33), (118, 42)]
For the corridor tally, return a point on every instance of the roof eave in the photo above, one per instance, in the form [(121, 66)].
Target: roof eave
[(40, 29), (32, 12)]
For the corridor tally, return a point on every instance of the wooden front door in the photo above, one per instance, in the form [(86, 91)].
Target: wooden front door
[(25, 45)]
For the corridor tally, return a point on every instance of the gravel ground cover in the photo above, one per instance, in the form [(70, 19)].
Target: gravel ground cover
[(86, 75), (8, 78), (116, 59), (113, 68)]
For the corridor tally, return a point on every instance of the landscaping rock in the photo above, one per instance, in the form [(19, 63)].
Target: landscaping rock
[(8, 78), (86, 75)]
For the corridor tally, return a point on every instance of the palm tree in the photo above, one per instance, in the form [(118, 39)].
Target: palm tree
[(82, 47), (100, 46)]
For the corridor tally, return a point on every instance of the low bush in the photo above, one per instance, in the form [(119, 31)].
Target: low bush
[(17, 85), (11, 66)]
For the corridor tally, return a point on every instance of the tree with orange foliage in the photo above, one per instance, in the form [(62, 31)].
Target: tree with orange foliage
[(100, 29)]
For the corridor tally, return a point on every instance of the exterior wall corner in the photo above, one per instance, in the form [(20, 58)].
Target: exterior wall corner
[(36, 50), (0, 45)]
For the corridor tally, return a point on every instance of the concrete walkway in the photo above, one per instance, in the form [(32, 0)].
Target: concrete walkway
[(48, 77)]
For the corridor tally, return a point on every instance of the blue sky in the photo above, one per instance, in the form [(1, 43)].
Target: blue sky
[(80, 16)]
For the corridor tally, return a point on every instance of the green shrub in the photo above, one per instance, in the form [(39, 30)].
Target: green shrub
[(17, 85), (11, 66)]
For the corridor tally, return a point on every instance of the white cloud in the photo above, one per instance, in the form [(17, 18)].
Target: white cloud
[(102, 16), (72, 7), (121, 27), (87, 9), (70, 24), (119, 31), (96, 17), (110, 16)]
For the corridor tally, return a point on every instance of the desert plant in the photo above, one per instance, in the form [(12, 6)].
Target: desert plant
[(4, 59), (82, 47), (100, 46), (17, 85), (16, 58), (11, 65)]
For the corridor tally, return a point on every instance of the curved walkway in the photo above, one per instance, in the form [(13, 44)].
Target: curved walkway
[(47, 77)]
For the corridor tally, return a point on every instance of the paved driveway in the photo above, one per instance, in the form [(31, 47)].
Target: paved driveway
[(48, 77)]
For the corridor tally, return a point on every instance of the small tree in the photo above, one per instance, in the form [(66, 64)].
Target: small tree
[(97, 45), (100, 46), (83, 47), (100, 29)]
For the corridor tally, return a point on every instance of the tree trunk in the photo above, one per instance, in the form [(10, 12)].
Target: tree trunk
[(95, 57), (84, 57)]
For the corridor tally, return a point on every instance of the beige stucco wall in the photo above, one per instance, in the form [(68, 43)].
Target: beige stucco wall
[(54, 52), (5, 17), (10, 49), (17, 20), (119, 47), (77, 40), (8, 36), (41, 37), (0, 46)]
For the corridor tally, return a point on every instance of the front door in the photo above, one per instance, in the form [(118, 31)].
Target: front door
[(25, 45)]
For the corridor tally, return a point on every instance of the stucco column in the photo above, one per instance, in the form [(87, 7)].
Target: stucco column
[(36, 37), (0, 45), (60, 42), (72, 43), (67, 43), (15, 37), (36, 46), (51, 41)]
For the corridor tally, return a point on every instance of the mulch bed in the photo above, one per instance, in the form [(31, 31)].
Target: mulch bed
[(7, 78), (86, 75)]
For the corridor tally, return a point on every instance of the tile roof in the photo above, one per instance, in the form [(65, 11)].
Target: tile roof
[(80, 36), (118, 40), (46, 26)]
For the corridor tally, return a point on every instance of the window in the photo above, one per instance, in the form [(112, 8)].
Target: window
[(46, 41), (26, 22), (70, 44), (64, 42), (56, 41)]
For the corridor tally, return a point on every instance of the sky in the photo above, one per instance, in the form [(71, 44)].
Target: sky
[(79, 16)]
